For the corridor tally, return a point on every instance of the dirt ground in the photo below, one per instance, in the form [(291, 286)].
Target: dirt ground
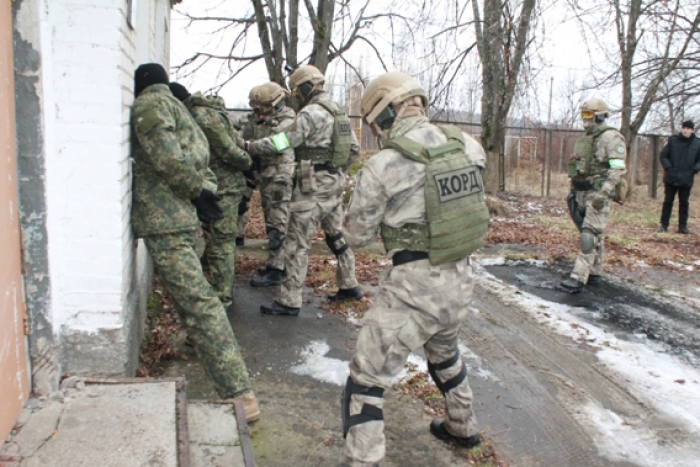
[(538, 395)]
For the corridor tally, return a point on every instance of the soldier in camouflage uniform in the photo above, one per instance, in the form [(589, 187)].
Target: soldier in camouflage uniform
[(228, 162), (248, 126), (276, 176), (172, 188), (596, 169), (424, 193), (324, 146)]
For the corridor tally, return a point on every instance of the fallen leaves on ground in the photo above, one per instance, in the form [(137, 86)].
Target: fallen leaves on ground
[(255, 227), (630, 242), (162, 328)]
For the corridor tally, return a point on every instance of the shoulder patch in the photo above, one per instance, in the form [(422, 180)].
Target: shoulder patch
[(146, 120), (620, 149)]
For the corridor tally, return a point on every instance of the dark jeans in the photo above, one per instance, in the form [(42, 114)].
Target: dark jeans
[(683, 204)]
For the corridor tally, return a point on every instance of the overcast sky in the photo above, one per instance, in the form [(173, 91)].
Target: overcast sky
[(562, 47)]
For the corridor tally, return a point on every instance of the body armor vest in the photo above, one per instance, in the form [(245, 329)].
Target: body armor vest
[(338, 153), (456, 212), (588, 168)]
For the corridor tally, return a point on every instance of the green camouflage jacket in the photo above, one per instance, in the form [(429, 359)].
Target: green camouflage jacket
[(170, 164), (227, 159)]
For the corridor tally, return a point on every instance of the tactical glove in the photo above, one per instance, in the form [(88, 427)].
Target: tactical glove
[(599, 201), (208, 209)]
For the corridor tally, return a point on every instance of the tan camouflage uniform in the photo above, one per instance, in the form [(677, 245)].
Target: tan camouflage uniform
[(170, 155), (418, 304), (611, 145), (276, 177), (227, 162), (313, 128)]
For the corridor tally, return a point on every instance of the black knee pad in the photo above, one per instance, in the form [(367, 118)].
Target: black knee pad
[(337, 244), (369, 413), (449, 385), (276, 239)]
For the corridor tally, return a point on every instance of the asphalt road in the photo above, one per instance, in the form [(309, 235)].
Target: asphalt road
[(533, 387)]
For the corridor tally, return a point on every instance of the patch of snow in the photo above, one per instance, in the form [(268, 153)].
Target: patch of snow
[(501, 261), (653, 376), (474, 366), (685, 267), (497, 261), (419, 364), (353, 319), (314, 363)]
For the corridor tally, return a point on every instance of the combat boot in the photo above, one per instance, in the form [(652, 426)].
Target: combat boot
[(594, 279), (662, 229), (346, 294), (683, 230), (572, 285), (271, 277), (437, 428), (250, 406), (277, 308), (240, 241)]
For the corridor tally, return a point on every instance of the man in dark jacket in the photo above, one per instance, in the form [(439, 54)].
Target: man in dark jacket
[(680, 159)]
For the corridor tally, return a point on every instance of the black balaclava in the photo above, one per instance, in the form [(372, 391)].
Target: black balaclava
[(148, 74), (179, 91)]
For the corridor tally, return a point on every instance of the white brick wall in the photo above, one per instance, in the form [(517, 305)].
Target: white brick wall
[(89, 53)]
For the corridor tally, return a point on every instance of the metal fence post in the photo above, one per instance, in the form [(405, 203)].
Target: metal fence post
[(653, 188)]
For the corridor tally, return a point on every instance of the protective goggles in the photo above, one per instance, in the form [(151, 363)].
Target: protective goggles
[(587, 114)]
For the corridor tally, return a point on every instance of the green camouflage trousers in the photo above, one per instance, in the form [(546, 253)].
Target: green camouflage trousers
[(418, 305), (200, 310), (595, 221), (220, 251), (324, 206)]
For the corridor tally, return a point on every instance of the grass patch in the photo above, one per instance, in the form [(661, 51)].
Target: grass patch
[(555, 222), (638, 217), (620, 240)]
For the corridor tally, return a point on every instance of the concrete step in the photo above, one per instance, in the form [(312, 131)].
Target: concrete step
[(144, 422)]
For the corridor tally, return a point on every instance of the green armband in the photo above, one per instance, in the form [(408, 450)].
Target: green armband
[(280, 141), (617, 163)]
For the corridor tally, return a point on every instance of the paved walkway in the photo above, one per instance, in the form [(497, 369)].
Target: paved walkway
[(124, 423)]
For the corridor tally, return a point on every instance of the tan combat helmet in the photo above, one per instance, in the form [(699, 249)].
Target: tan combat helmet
[(269, 94), (253, 98), (389, 88), (305, 74), (595, 108)]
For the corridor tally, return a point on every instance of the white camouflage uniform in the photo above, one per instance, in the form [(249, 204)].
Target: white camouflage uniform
[(312, 128), (418, 304)]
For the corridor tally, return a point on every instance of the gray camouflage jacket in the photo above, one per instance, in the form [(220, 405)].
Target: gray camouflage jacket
[(389, 188), (313, 128)]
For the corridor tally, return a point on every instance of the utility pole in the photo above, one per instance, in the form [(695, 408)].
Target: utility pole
[(547, 169)]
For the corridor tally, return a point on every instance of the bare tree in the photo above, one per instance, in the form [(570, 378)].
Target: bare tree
[(503, 34), (654, 60), (286, 31)]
